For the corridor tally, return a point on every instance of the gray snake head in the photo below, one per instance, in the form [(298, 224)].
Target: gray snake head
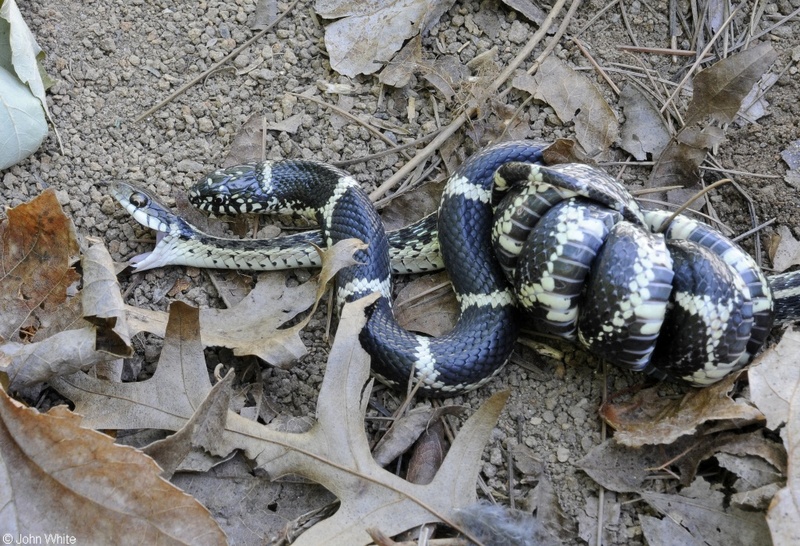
[(170, 228)]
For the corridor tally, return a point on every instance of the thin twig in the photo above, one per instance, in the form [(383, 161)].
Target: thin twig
[(692, 199), (394, 149), (596, 66), (756, 229), (350, 116), (215, 66), (657, 50), (462, 118)]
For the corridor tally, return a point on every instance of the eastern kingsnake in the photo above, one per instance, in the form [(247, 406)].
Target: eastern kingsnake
[(583, 260)]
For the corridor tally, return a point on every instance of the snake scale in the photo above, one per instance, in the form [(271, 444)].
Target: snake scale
[(564, 250)]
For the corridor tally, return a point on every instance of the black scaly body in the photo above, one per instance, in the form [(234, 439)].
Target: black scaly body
[(484, 337), (584, 261)]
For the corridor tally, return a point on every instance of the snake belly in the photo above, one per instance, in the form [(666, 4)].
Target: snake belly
[(486, 331)]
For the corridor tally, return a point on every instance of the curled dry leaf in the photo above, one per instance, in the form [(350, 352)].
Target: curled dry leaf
[(367, 34), (707, 518), (652, 419), (102, 301), (38, 246), (575, 98), (407, 429), (61, 354), (644, 132), (252, 327), (428, 305), (720, 89), (775, 388), (784, 249), (61, 479)]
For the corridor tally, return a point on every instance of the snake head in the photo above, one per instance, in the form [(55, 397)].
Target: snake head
[(232, 190), (149, 212)]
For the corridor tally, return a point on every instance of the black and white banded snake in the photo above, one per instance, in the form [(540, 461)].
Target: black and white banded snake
[(563, 249)]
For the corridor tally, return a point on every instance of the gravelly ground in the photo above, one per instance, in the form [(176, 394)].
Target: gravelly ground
[(113, 60)]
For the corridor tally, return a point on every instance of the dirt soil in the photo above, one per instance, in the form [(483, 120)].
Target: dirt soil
[(113, 59)]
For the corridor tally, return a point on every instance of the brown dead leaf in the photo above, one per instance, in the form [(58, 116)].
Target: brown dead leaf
[(69, 342), (408, 207), (60, 478), (784, 249), (652, 419), (644, 132), (367, 34), (774, 376), (407, 429), (707, 518), (575, 98), (252, 327), (563, 150), (334, 452), (202, 429), (775, 388), (427, 305), (404, 65), (37, 248), (248, 144), (102, 301), (720, 89), (679, 163), (428, 454)]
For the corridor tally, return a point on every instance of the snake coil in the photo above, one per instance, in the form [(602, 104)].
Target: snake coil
[(583, 262)]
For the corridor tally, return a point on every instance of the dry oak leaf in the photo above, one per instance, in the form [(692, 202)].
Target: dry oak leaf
[(334, 452), (59, 478), (720, 89), (89, 329), (775, 388), (37, 246), (652, 419), (367, 34), (705, 514), (252, 326), (574, 97), (784, 249)]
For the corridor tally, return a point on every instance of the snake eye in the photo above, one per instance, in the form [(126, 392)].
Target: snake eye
[(138, 199)]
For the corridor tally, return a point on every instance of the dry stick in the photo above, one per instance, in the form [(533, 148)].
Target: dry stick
[(691, 200), (456, 124), (596, 66), (627, 23), (658, 50), (396, 148), (597, 16), (756, 229), (215, 66)]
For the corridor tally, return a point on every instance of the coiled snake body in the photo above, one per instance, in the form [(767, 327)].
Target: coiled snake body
[(567, 252)]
